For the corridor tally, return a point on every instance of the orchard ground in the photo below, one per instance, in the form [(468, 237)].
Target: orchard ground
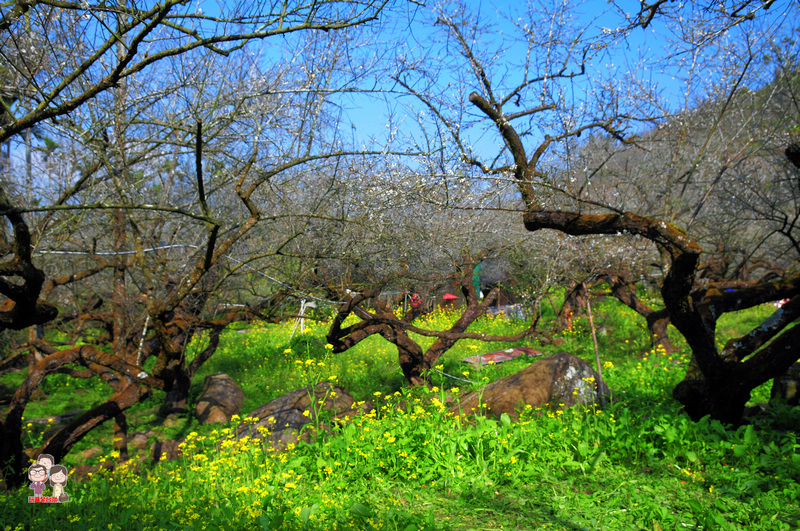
[(637, 464)]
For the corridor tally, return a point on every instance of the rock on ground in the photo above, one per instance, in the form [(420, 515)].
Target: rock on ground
[(166, 450), (561, 380), (220, 399), (788, 386), (284, 418)]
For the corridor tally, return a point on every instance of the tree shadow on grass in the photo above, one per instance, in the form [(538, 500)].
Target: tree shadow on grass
[(490, 509)]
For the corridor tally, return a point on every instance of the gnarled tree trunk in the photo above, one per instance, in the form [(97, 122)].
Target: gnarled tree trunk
[(414, 363), (725, 379)]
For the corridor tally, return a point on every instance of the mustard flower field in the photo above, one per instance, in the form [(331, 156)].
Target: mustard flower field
[(414, 462)]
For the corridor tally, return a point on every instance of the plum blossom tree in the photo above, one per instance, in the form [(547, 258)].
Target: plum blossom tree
[(139, 186), (541, 107)]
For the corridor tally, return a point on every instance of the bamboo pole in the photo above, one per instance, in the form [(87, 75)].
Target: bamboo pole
[(600, 383)]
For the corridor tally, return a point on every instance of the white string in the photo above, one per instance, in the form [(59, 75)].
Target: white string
[(454, 377), (186, 245)]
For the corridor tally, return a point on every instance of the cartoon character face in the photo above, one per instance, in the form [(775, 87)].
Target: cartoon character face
[(47, 461), (37, 473), (58, 477)]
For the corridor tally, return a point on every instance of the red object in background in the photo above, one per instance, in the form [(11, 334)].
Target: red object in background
[(415, 300), (449, 297), (502, 355)]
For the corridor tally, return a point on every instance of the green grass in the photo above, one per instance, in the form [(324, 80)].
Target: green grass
[(638, 464)]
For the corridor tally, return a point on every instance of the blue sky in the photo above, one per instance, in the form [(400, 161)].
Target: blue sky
[(653, 56), (407, 30)]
